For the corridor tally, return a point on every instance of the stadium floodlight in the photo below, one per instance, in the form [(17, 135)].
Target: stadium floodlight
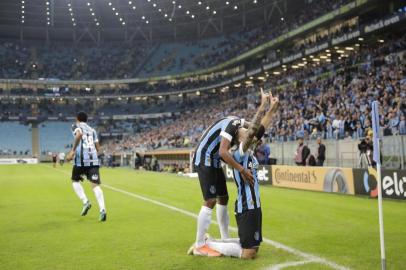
[(360, 39), (214, 12), (227, 3), (381, 40), (235, 7), (340, 51), (276, 73), (349, 48)]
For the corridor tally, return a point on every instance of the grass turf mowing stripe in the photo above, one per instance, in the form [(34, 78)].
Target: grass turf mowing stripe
[(310, 258)]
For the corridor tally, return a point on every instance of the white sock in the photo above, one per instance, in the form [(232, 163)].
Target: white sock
[(203, 223), (227, 240), (77, 187), (98, 192), (227, 249), (223, 220)]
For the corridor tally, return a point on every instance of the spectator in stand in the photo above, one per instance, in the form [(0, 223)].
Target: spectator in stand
[(402, 124), (263, 152), (302, 152), (321, 153)]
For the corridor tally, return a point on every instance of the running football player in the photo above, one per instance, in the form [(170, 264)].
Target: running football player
[(86, 163)]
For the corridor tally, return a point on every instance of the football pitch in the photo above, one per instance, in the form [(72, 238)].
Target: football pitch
[(152, 222)]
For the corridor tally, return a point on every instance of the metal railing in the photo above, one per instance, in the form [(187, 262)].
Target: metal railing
[(345, 153)]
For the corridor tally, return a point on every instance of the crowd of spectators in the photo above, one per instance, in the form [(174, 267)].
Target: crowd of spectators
[(336, 106), (112, 61), (67, 61)]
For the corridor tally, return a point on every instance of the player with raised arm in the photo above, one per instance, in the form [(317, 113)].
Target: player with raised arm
[(86, 163), (213, 147), (247, 206)]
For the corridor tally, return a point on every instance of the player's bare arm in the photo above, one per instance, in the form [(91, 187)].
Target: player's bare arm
[(225, 146), (265, 122), (97, 145), (256, 121), (76, 142)]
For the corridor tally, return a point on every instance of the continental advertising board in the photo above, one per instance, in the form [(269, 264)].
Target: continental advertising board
[(314, 178), (332, 179), (393, 183)]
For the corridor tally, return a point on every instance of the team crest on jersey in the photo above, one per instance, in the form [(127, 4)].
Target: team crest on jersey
[(256, 236), (236, 122), (95, 177), (212, 189)]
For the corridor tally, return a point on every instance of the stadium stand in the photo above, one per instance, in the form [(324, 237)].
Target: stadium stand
[(10, 144)]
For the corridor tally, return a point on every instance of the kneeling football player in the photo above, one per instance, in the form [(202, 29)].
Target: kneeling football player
[(247, 206)]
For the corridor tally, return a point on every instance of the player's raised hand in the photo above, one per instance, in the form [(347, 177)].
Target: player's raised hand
[(274, 103), (264, 97)]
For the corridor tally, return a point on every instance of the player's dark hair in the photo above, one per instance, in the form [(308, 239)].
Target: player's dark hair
[(82, 117)]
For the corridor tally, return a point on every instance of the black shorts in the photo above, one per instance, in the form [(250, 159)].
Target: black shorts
[(212, 182), (91, 173), (250, 228)]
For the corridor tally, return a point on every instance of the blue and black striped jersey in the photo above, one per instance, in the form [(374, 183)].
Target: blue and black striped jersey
[(207, 150), (248, 196), (86, 153)]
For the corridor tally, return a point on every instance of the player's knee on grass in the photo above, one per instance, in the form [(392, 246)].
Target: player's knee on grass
[(249, 253), (210, 203), (222, 200)]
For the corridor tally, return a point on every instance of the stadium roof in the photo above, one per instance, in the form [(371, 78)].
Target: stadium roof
[(153, 18)]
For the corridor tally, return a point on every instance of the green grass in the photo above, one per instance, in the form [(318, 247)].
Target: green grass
[(40, 225)]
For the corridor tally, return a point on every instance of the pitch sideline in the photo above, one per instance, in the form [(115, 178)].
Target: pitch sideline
[(309, 258)]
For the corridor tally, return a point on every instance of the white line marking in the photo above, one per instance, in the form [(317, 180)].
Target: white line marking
[(289, 264), (307, 256)]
